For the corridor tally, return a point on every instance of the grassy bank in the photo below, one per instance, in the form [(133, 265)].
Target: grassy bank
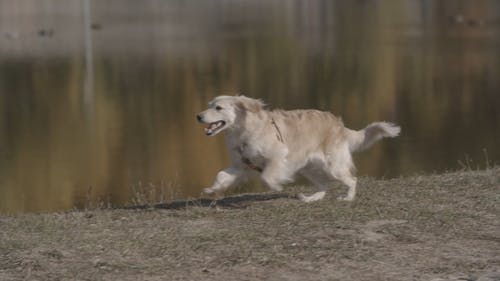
[(433, 227)]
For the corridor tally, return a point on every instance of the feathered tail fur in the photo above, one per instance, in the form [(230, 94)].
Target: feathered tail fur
[(365, 138)]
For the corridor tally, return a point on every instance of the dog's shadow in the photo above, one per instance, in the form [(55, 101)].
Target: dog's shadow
[(235, 202)]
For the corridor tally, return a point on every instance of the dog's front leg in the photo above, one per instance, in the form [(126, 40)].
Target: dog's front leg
[(225, 179), (275, 175)]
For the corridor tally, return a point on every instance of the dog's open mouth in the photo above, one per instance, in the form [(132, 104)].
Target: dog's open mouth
[(214, 127)]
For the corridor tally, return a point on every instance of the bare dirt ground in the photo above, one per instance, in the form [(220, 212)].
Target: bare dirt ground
[(430, 227)]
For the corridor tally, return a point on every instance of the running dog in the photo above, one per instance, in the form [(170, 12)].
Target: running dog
[(279, 144)]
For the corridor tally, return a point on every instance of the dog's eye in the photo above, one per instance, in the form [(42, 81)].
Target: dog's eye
[(218, 108)]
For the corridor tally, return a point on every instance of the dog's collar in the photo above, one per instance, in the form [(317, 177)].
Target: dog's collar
[(278, 132)]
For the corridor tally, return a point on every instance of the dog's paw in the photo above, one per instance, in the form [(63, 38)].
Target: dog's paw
[(302, 197), (345, 198), (276, 188), (209, 191), (315, 197), (213, 192)]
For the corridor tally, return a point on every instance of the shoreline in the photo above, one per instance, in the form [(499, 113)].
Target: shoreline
[(424, 227)]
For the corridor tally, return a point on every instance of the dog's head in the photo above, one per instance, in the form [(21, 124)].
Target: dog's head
[(225, 112)]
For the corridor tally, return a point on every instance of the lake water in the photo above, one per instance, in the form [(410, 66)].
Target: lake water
[(98, 98)]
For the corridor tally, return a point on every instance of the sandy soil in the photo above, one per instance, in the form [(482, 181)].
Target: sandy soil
[(429, 227)]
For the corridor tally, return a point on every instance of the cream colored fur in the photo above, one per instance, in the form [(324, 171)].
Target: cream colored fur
[(281, 144)]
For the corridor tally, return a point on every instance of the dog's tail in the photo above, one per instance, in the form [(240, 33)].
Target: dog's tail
[(365, 138)]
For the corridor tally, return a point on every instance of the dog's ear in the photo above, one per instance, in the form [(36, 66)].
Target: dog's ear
[(249, 104)]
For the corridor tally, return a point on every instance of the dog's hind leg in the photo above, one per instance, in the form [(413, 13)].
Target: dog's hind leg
[(225, 179), (340, 167), (348, 179)]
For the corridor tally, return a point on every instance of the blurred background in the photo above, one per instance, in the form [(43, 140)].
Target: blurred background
[(98, 98)]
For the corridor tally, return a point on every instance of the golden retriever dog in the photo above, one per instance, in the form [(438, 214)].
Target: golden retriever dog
[(278, 144)]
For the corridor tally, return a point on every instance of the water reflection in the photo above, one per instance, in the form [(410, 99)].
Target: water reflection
[(431, 67)]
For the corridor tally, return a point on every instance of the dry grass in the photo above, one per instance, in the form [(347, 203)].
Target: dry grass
[(417, 228)]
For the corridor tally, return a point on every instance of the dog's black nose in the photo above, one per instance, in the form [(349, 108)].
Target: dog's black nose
[(198, 117)]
